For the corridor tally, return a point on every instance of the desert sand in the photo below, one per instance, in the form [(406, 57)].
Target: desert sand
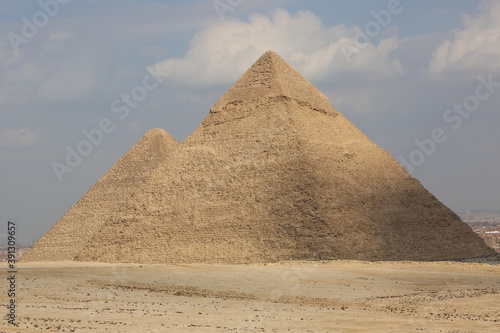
[(317, 296)]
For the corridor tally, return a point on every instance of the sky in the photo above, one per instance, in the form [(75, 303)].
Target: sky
[(420, 78)]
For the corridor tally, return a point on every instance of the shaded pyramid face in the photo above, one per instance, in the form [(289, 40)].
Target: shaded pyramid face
[(273, 173)]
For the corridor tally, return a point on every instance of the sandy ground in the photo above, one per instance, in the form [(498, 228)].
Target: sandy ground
[(338, 296)]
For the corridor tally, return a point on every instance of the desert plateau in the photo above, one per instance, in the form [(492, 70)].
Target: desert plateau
[(315, 296)]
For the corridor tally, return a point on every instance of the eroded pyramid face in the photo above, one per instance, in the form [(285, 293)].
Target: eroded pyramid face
[(272, 173)]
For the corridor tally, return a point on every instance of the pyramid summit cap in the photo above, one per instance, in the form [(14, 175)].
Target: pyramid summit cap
[(159, 132), (271, 76)]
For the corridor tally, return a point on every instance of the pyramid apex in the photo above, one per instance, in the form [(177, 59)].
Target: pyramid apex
[(270, 54), (274, 60), (155, 131), (271, 76), (159, 132)]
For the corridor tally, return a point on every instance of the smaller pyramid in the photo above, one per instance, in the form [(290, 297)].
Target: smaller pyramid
[(108, 195)]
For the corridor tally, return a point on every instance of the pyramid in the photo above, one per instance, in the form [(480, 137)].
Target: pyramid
[(111, 192), (273, 173)]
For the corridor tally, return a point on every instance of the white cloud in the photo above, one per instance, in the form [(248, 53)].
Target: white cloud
[(224, 50), (474, 49), (18, 138)]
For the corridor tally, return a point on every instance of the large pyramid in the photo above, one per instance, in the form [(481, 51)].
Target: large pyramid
[(273, 173)]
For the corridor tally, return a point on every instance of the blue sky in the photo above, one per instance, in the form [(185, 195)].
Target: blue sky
[(397, 86)]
